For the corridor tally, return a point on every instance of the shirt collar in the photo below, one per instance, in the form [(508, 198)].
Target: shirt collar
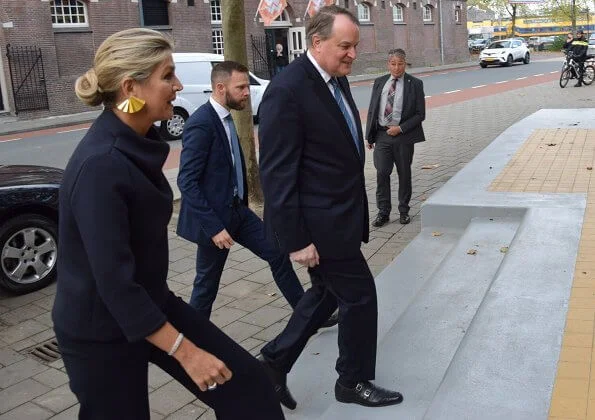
[(325, 76), (221, 111)]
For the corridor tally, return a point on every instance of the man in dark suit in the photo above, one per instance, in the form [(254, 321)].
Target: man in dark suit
[(214, 211), (311, 166), (397, 109)]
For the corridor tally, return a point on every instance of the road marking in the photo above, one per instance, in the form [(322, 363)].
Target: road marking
[(428, 96), (7, 140), (521, 78), (503, 81), (552, 72), (443, 73), (452, 91), (478, 86), (70, 131), (537, 75), (460, 71)]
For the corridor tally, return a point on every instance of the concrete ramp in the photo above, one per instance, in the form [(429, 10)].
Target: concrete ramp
[(472, 312)]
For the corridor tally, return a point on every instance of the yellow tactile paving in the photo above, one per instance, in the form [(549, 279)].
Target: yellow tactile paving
[(561, 161)]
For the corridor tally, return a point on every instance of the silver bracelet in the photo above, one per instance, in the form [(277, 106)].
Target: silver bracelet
[(176, 345)]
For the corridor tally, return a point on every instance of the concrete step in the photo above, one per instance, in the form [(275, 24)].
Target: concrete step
[(415, 354), (313, 377)]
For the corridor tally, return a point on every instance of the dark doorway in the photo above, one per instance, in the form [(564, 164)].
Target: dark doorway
[(277, 36)]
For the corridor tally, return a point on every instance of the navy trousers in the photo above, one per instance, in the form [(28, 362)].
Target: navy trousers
[(247, 229), (350, 285), (110, 379)]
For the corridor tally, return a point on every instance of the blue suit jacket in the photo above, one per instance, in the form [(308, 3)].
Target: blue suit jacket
[(311, 171), (206, 177)]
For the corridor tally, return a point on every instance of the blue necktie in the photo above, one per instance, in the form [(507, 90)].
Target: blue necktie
[(237, 156), (350, 122)]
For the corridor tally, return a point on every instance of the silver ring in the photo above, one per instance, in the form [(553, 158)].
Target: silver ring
[(212, 387)]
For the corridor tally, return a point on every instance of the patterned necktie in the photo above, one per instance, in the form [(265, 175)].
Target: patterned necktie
[(237, 156), (390, 99), (350, 122)]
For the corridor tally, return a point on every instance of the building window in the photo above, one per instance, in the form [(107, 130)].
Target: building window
[(155, 12), (427, 13), (68, 13), (215, 11), (217, 39), (346, 4), (363, 12), (458, 14), (383, 4), (398, 13)]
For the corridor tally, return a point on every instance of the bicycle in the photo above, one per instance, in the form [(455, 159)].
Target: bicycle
[(570, 70)]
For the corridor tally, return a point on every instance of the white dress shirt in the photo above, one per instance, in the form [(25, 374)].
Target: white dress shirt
[(397, 102), (222, 112)]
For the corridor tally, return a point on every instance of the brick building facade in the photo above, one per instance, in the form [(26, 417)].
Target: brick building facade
[(63, 35)]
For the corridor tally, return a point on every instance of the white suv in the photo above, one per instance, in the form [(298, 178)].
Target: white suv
[(505, 52), (194, 71)]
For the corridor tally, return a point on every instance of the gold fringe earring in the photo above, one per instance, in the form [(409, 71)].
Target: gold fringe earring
[(131, 105)]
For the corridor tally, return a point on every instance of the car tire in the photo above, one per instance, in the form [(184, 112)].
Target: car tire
[(509, 61), (527, 58), (28, 253), (483, 65), (173, 128)]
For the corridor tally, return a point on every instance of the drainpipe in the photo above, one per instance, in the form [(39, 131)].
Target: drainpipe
[(441, 35)]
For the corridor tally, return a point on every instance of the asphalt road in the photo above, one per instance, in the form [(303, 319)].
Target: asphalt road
[(55, 149)]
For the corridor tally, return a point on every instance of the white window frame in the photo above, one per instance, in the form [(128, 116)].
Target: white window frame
[(398, 9), (217, 41), (458, 12), (68, 4), (282, 21), (215, 9), (363, 12), (427, 13)]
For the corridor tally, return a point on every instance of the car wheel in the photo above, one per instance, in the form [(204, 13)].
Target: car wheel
[(483, 65), (28, 253), (527, 59), (173, 128), (509, 61)]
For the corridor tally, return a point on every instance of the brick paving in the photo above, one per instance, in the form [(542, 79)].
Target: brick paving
[(249, 307)]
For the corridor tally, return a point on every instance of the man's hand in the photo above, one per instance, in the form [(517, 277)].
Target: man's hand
[(369, 145), (223, 240), (393, 130), (307, 256)]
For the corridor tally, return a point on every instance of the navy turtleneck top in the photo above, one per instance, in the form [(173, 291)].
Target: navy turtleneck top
[(115, 204)]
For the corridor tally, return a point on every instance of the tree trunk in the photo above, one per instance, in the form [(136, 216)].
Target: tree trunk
[(234, 38), (514, 6)]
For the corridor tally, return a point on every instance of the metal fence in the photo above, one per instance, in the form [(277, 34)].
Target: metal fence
[(28, 78), (260, 56)]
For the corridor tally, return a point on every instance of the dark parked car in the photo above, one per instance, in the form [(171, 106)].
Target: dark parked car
[(545, 43), (478, 45), (28, 226)]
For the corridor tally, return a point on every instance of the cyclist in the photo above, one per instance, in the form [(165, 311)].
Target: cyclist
[(579, 48)]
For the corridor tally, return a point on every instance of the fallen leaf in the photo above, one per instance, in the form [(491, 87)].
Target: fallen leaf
[(436, 233), (434, 166), (472, 252), (589, 168), (504, 249), (551, 144), (272, 294), (316, 353)]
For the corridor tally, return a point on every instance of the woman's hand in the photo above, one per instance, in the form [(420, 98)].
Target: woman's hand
[(204, 368)]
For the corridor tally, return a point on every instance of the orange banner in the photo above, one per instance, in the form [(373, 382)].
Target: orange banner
[(271, 9), (315, 5)]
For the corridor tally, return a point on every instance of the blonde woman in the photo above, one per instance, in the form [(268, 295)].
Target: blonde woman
[(113, 312)]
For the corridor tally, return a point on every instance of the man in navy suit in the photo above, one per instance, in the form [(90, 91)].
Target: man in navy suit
[(214, 211), (312, 172), (397, 109)]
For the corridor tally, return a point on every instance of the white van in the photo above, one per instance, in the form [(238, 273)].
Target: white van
[(194, 71)]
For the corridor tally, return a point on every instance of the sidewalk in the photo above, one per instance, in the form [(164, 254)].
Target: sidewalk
[(249, 307)]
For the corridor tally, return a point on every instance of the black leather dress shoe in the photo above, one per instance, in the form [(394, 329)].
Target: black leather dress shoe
[(331, 322), (367, 394), (404, 219), (380, 220), (279, 381)]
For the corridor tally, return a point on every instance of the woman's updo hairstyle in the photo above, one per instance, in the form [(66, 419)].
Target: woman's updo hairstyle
[(130, 53)]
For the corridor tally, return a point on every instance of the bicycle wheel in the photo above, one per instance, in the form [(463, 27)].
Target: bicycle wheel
[(588, 75), (564, 77)]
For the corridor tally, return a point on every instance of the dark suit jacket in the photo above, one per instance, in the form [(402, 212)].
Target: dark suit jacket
[(412, 115), (115, 204), (206, 177), (311, 172)]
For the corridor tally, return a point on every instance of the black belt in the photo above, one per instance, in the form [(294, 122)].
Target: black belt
[(382, 128)]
